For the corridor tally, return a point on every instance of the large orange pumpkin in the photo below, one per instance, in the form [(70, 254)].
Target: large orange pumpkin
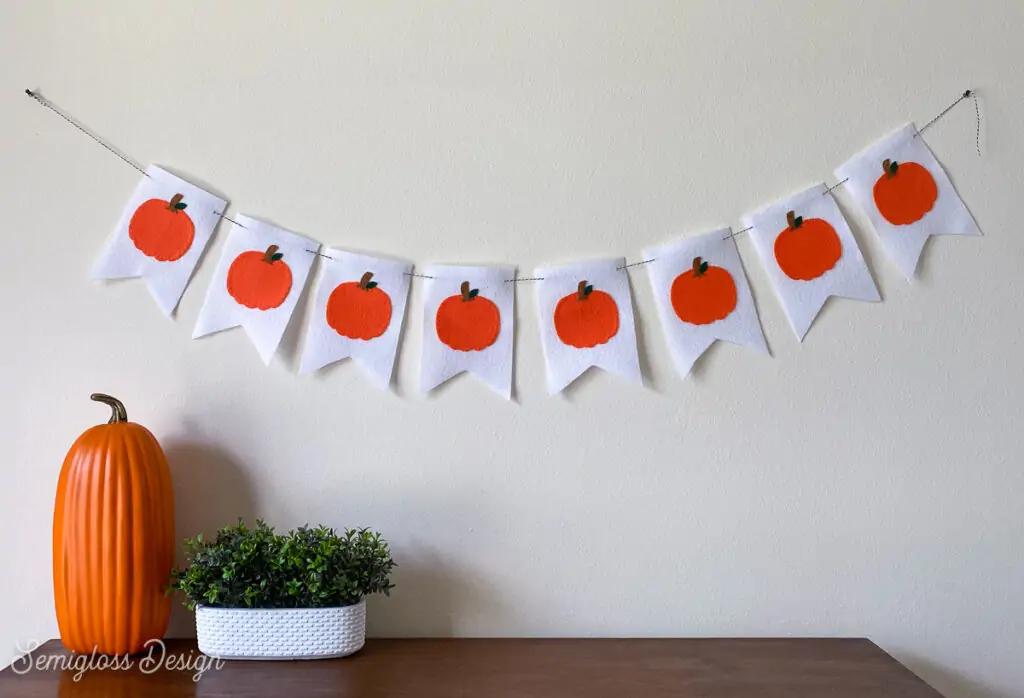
[(807, 249), (468, 321), (905, 192), (113, 538), (359, 309), (260, 280), (586, 318), (703, 295), (161, 229)]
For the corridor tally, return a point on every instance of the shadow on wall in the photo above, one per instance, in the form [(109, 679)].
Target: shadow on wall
[(207, 483), (948, 682), (432, 597)]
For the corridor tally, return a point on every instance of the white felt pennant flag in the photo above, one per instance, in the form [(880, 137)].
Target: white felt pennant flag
[(161, 235), (358, 312), (702, 294), (257, 283), (810, 254), (586, 319), (469, 322), (906, 195)]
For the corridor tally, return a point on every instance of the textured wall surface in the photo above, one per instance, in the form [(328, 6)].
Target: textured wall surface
[(866, 482)]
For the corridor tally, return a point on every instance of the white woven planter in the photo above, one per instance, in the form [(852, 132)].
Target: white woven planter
[(281, 633)]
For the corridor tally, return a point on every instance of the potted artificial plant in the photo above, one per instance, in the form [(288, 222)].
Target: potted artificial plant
[(299, 595)]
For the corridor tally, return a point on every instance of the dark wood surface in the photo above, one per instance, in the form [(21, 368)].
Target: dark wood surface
[(457, 668)]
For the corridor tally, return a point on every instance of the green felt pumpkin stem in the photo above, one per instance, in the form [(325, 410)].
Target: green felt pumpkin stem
[(365, 279), (172, 205), (268, 256), (119, 413)]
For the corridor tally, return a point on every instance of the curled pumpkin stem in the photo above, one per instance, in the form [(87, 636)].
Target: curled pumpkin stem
[(365, 279), (119, 414)]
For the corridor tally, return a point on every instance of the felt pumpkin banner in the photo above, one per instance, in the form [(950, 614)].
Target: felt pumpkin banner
[(468, 317), (810, 254), (586, 319), (906, 195), (257, 283), (702, 295), (358, 313), (700, 288), (161, 235)]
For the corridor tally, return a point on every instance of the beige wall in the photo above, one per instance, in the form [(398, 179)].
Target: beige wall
[(867, 482)]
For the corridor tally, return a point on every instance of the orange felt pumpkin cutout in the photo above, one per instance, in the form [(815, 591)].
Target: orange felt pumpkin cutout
[(905, 193), (161, 229), (468, 321), (260, 280), (359, 309), (703, 295), (586, 318), (113, 538), (807, 249)]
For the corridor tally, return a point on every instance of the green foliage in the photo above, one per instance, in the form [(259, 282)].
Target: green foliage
[(304, 568)]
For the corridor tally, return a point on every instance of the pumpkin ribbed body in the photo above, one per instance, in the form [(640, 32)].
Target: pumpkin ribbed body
[(113, 541)]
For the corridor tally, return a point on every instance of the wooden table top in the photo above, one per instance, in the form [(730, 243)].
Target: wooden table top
[(472, 668)]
